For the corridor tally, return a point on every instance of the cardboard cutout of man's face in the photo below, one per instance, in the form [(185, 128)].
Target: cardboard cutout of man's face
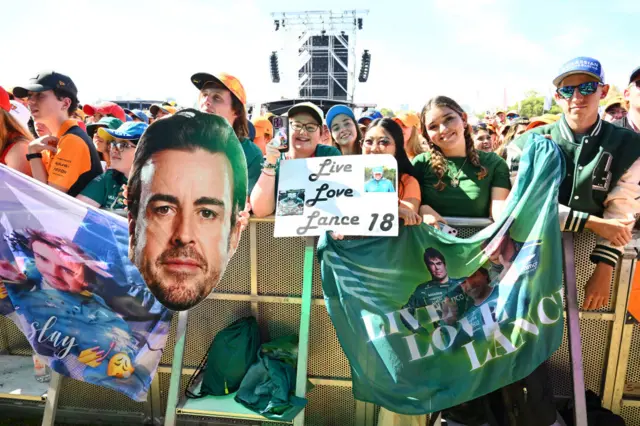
[(182, 239)]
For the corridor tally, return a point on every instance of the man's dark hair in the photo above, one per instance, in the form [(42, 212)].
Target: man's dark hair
[(432, 253), (23, 242), (61, 94), (485, 274), (189, 130)]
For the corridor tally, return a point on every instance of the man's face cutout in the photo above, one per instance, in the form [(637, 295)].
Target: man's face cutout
[(182, 239)]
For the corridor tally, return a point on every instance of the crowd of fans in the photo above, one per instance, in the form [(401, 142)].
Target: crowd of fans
[(446, 165)]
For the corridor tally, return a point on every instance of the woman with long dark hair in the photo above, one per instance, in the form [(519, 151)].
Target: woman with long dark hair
[(384, 136), (457, 179), (14, 138)]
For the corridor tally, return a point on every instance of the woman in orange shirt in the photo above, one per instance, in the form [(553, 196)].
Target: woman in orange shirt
[(384, 136), (14, 138)]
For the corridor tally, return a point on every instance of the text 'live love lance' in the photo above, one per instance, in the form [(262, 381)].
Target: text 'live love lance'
[(548, 311)]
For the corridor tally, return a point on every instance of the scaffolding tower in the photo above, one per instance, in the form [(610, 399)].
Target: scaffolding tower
[(324, 48)]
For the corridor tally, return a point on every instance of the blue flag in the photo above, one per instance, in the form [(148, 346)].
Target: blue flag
[(68, 284)]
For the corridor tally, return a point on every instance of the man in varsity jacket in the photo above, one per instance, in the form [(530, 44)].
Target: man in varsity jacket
[(600, 190)]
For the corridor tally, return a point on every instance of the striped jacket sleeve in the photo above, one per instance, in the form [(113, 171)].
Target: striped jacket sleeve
[(570, 220), (623, 202)]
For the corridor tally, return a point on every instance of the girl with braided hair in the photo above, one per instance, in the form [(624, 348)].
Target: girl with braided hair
[(457, 179)]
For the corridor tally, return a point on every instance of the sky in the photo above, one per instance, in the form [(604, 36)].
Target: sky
[(474, 51)]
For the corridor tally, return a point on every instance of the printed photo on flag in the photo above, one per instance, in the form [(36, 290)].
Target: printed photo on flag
[(67, 283)]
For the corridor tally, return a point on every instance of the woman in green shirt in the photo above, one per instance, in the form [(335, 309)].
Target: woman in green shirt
[(457, 179)]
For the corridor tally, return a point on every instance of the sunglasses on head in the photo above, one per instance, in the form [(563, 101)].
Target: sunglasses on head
[(585, 89)]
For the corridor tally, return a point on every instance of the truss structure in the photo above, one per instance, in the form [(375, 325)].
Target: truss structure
[(322, 46)]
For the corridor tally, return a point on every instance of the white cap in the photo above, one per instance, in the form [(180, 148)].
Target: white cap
[(21, 113)]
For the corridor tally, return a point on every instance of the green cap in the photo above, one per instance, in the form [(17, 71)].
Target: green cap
[(106, 122)]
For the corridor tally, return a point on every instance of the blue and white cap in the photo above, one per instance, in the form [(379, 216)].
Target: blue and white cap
[(377, 170), (580, 65)]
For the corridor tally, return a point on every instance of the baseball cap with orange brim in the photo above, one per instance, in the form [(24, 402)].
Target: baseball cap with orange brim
[(263, 126), (407, 119), (543, 120), (618, 100), (164, 108), (227, 80)]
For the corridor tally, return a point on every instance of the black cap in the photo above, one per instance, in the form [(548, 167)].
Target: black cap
[(634, 75), (47, 80)]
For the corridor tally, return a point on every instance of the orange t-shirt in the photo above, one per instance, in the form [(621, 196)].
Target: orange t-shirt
[(409, 188), (71, 162)]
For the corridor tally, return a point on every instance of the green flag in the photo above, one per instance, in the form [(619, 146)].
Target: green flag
[(429, 321)]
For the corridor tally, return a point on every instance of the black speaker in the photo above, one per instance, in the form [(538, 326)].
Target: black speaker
[(275, 72)]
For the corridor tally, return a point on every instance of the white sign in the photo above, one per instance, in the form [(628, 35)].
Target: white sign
[(349, 195)]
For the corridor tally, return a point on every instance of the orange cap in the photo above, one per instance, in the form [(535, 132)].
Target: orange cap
[(617, 100), (407, 119), (543, 120), (264, 126), (227, 80)]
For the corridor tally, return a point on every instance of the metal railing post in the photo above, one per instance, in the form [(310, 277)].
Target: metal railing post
[(573, 330), (176, 370)]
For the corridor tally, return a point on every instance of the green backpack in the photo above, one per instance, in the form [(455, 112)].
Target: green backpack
[(230, 355)]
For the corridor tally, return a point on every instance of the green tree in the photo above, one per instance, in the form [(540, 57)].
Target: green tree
[(533, 105), (386, 112)]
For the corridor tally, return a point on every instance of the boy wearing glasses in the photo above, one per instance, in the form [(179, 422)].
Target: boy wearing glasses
[(305, 134), (106, 191), (601, 190), (632, 96)]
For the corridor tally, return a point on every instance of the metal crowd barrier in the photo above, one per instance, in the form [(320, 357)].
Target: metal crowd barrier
[(265, 279)]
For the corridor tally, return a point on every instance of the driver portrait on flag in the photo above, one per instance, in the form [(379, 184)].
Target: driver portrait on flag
[(442, 293), (70, 324)]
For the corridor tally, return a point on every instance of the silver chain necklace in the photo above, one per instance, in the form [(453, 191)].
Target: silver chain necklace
[(454, 180)]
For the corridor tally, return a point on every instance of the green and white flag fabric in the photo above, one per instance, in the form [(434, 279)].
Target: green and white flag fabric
[(429, 321)]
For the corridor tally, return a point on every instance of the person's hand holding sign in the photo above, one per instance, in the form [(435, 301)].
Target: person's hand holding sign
[(409, 216)]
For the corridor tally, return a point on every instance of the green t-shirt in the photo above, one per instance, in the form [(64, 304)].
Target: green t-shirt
[(253, 156), (472, 197), (106, 190)]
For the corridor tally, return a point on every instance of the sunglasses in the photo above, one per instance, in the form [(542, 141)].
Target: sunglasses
[(585, 89)]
